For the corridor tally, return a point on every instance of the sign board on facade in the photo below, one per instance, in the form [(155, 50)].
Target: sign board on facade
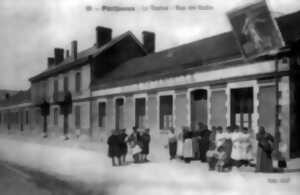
[(256, 31)]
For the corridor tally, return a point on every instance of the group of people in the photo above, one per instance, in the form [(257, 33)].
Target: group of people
[(137, 143), (230, 148), (223, 149)]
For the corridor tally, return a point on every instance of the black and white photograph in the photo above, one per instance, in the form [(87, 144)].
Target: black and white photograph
[(152, 97)]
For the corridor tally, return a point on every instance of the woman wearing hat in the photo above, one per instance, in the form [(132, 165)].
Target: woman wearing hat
[(264, 151)]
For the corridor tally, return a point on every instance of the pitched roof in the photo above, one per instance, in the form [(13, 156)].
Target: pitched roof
[(191, 56), (176, 59), (82, 57), (289, 26)]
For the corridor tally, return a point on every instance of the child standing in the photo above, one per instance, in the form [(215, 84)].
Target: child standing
[(221, 156)]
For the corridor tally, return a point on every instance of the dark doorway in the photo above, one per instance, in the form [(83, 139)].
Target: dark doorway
[(198, 108), (119, 113), (166, 112), (140, 112), (241, 107)]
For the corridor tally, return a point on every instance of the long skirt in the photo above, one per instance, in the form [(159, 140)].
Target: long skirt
[(172, 149), (228, 148), (264, 161), (196, 150), (179, 148), (188, 148)]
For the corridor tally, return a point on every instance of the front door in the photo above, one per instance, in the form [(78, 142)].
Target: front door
[(198, 108), (140, 112)]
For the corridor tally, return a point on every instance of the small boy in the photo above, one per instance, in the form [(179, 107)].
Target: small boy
[(221, 156), (211, 156)]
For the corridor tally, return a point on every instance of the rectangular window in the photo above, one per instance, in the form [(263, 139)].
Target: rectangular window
[(66, 84), (78, 82), (166, 111), (102, 114), (77, 117), (55, 116), (55, 86), (140, 112), (242, 107)]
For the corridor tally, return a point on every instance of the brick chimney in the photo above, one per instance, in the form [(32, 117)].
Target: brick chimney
[(103, 35), (74, 48), (51, 62), (58, 55), (149, 41)]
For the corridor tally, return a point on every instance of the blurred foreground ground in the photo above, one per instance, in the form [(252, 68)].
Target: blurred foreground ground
[(58, 167)]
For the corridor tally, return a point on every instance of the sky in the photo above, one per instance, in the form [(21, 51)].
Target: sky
[(30, 29)]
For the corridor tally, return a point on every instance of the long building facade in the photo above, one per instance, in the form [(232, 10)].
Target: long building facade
[(121, 83)]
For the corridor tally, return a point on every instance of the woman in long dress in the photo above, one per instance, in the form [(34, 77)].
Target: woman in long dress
[(228, 147), (172, 141), (236, 147), (264, 151), (246, 148), (187, 145), (179, 150)]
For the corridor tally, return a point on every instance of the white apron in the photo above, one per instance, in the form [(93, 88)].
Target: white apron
[(188, 148), (236, 146)]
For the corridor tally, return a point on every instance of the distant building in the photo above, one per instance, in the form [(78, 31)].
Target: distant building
[(5, 94), (123, 83)]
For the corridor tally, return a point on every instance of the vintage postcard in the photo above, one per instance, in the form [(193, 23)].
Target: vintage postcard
[(149, 97)]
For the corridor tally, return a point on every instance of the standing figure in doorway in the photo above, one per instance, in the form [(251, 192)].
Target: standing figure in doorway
[(172, 142), (196, 141)]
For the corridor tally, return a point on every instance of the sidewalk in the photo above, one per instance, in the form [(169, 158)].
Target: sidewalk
[(92, 167)]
